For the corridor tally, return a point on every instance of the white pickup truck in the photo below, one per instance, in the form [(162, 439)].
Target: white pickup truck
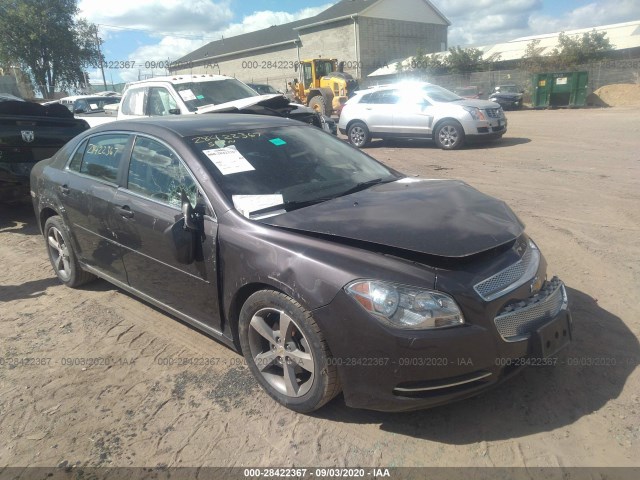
[(198, 94)]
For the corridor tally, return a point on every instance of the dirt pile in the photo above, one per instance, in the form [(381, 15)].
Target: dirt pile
[(619, 95)]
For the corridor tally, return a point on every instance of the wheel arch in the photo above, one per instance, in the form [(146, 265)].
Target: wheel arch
[(351, 122), (238, 300), (447, 119), (45, 214)]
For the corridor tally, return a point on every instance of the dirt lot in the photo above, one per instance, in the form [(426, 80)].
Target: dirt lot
[(573, 176)]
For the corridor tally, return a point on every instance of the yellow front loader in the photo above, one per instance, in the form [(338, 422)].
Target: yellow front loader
[(323, 85)]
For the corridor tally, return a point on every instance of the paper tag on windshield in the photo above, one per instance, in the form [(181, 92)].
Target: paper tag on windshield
[(94, 106), (246, 204), (228, 160), (187, 95)]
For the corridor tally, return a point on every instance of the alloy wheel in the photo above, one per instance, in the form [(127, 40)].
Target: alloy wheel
[(448, 136), (358, 136), (281, 352), (59, 253)]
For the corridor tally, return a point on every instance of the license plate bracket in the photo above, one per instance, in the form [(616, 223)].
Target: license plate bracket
[(552, 337)]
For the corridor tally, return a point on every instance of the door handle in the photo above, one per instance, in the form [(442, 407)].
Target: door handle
[(125, 211), (64, 190)]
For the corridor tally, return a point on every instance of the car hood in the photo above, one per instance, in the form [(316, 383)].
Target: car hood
[(468, 102), (274, 100), (508, 95), (445, 218)]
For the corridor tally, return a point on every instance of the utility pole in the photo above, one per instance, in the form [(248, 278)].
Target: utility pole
[(104, 80)]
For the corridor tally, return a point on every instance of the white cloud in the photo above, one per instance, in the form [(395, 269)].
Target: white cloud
[(484, 22), (159, 16), (173, 47), (180, 26), (602, 12)]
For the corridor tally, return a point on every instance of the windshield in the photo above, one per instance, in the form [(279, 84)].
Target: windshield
[(438, 94), (508, 89), (264, 89), (213, 92), (467, 91), (94, 104), (285, 168)]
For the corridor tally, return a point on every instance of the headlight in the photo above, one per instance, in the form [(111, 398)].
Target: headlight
[(475, 113), (406, 307)]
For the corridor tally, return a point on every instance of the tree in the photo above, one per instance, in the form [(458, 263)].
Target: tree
[(467, 60), (533, 60), (47, 38), (573, 50), (427, 64)]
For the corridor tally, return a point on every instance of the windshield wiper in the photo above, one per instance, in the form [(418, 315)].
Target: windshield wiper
[(364, 185), (289, 206)]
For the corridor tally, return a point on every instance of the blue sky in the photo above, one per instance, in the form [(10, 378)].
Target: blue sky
[(157, 30)]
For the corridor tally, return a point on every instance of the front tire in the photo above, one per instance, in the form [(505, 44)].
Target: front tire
[(286, 352), (449, 135), (318, 104), (358, 134), (63, 258)]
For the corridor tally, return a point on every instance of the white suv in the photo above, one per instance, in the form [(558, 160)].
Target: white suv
[(419, 110)]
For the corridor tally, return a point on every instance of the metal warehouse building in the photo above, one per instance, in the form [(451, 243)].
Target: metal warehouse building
[(365, 34)]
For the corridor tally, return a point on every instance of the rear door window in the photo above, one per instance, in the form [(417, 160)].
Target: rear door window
[(102, 157)]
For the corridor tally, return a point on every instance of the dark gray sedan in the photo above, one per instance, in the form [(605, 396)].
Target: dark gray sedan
[(329, 271)]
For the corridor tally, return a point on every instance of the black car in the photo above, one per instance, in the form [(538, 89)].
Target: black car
[(328, 270), (509, 97), (263, 88), (30, 132)]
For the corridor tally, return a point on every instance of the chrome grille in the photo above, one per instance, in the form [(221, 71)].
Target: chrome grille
[(493, 112), (518, 320), (511, 277)]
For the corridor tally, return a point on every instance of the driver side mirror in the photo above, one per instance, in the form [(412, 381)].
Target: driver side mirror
[(174, 111), (188, 213), (183, 234)]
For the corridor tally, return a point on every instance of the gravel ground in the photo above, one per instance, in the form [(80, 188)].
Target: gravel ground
[(571, 175)]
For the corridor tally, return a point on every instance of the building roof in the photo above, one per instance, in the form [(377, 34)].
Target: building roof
[(275, 35), (622, 36), (281, 34)]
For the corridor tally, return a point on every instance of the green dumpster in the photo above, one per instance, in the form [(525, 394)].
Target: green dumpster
[(561, 89)]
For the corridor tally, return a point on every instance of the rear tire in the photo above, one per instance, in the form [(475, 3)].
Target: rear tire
[(286, 352), (63, 258), (449, 135), (358, 135), (318, 104)]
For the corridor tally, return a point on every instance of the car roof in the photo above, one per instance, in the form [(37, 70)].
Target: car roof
[(394, 86), (182, 78), (191, 125), (85, 97)]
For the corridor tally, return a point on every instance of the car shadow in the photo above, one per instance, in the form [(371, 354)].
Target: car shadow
[(18, 218), (31, 289), (504, 142), (591, 371), (419, 143)]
